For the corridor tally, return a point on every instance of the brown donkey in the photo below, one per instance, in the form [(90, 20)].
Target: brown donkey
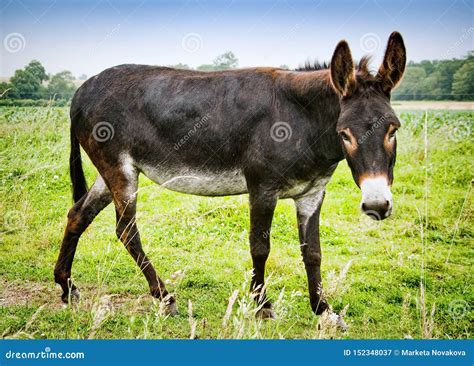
[(268, 132)]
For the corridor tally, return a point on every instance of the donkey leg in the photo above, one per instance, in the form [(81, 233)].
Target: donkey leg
[(308, 209), (262, 206), (79, 218), (124, 188)]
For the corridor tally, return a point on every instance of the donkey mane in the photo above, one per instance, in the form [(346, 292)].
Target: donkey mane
[(313, 66), (362, 66)]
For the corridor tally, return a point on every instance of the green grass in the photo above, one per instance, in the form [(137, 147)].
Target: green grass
[(408, 276)]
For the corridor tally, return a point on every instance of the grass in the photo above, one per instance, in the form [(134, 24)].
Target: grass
[(406, 277)]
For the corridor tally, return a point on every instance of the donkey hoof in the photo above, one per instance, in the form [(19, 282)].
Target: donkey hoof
[(265, 313), (169, 306), (321, 307), (74, 296), (342, 324)]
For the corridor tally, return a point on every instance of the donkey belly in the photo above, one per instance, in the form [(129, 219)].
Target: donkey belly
[(198, 182)]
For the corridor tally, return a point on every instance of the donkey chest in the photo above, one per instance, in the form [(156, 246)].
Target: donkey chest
[(306, 188)]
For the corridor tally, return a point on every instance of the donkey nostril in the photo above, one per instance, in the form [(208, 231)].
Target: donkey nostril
[(364, 207), (387, 204)]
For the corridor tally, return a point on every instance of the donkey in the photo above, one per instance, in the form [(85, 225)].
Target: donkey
[(268, 132)]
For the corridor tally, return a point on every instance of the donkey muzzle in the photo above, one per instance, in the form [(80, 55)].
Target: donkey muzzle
[(377, 199)]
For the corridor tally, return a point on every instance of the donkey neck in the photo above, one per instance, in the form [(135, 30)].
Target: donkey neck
[(317, 104)]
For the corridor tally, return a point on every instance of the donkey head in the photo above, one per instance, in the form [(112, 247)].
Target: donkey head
[(367, 123)]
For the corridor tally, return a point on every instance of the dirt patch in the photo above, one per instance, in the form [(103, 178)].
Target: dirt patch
[(27, 293), (30, 293)]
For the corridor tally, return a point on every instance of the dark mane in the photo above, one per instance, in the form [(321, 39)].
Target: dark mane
[(361, 68), (314, 66)]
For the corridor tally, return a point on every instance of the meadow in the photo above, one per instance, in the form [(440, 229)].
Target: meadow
[(409, 276)]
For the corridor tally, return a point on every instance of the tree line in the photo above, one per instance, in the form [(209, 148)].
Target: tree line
[(426, 80), (438, 80)]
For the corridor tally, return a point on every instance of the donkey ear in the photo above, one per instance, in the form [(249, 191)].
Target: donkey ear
[(342, 69), (394, 61)]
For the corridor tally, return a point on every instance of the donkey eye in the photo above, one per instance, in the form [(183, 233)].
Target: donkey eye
[(392, 134), (344, 136)]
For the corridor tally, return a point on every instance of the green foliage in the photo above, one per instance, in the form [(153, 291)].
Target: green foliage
[(463, 81), (61, 85), (36, 69), (437, 80), (33, 102), (27, 82), (205, 67), (225, 61), (200, 248), (7, 91), (180, 66)]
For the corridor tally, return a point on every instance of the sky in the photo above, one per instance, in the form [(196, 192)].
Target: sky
[(88, 36)]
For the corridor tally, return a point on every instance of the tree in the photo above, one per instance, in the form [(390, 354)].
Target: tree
[(463, 81), (226, 61), (27, 82), (410, 87), (7, 91), (37, 70), (26, 85), (427, 66), (437, 80), (205, 67), (444, 72), (180, 66), (62, 85)]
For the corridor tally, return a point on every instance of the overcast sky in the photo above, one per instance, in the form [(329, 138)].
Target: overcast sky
[(86, 37)]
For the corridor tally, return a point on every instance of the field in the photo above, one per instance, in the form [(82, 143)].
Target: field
[(407, 277)]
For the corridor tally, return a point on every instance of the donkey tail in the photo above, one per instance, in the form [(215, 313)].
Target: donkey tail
[(79, 184)]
